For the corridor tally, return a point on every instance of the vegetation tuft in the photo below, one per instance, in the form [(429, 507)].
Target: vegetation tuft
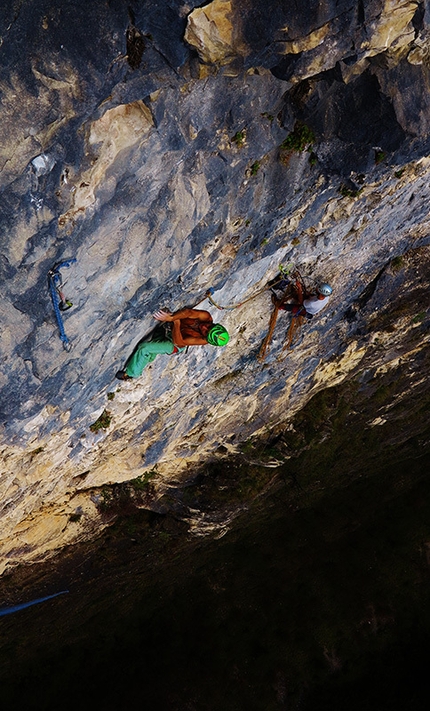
[(239, 138), (35, 452), (75, 517), (397, 263), (345, 191), (380, 156), (126, 498), (298, 140), (102, 422), (141, 482)]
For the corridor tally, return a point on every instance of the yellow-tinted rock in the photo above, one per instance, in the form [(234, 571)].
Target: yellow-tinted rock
[(353, 71), (210, 31), (419, 55), (204, 71), (334, 372), (392, 28), (304, 44)]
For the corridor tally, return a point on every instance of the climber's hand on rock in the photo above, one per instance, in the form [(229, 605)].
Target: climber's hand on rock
[(163, 316)]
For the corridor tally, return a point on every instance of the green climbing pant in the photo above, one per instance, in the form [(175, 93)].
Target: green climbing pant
[(146, 352)]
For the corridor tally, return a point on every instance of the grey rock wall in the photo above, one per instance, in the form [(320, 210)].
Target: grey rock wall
[(156, 163)]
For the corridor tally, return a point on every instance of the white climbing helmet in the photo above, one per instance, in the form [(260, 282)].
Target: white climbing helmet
[(325, 289)]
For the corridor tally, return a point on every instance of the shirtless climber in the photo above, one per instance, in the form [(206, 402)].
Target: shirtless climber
[(311, 305), (190, 327)]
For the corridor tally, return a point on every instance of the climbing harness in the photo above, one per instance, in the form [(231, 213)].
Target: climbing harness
[(284, 272), (59, 301)]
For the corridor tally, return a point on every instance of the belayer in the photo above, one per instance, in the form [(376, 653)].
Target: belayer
[(186, 327)]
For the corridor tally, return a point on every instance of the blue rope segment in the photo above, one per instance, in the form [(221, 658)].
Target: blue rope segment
[(54, 281), (9, 610)]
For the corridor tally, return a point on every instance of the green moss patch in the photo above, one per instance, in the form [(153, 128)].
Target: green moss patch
[(239, 138), (102, 422), (299, 139)]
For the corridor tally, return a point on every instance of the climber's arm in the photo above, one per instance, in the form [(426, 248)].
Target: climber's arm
[(198, 314)]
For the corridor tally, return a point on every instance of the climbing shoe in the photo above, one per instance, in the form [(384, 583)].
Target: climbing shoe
[(122, 375)]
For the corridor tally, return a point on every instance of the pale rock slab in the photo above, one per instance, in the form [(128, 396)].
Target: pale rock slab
[(210, 31)]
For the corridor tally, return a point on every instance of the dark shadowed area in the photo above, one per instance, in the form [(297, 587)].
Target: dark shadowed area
[(317, 598)]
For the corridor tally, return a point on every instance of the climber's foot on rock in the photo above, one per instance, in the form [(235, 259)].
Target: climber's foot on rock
[(122, 375)]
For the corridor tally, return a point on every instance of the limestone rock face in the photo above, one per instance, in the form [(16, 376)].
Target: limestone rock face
[(210, 31), (162, 174), (117, 131)]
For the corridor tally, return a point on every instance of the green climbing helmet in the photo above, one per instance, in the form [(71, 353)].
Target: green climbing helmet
[(218, 335)]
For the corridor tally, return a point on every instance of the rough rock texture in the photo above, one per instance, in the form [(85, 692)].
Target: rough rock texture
[(210, 31), (160, 172)]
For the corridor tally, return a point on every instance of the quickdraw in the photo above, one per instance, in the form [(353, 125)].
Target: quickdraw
[(59, 301)]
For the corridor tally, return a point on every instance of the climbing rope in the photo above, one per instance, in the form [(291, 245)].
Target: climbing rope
[(284, 272), (59, 302)]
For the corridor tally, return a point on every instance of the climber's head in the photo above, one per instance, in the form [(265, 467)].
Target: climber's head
[(218, 335), (324, 290)]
